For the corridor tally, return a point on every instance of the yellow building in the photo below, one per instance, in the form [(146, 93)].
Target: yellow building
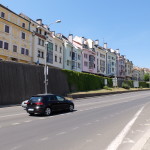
[(15, 37)]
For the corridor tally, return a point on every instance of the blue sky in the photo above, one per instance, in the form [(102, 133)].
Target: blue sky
[(123, 24)]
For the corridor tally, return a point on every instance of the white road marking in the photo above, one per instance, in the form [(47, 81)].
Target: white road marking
[(87, 124), (44, 139), (15, 123), (97, 121), (41, 118), (140, 131), (128, 140), (28, 121), (89, 140), (75, 128), (61, 133), (147, 124), (16, 147), (12, 115), (99, 134), (118, 140)]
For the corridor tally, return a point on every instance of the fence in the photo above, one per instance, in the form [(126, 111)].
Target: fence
[(20, 81)]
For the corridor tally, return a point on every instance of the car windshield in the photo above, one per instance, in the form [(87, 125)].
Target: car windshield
[(36, 99)]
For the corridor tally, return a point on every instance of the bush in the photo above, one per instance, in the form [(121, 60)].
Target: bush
[(125, 85), (107, 88), (84, 81), (143, 84)]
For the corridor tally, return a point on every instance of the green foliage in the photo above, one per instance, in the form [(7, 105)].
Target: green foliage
[(125, 85), (143, 84), (146, 77), (84, 82), (107, 88), (129, 83)]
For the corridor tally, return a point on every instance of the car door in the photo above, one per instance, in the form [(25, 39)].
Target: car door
[(61, 102), (53, 103)]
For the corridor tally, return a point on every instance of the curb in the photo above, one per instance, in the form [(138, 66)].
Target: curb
[(74, 96)]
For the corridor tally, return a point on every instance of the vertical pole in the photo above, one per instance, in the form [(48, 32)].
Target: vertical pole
[(45, 69)]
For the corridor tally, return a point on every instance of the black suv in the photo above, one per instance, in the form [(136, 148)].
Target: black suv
[(47, 103)]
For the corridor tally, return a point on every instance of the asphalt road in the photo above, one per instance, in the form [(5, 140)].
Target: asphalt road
[(99, 123)]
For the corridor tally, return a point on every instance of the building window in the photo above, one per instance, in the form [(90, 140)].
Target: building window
[(45, 33), (86, 63), (1, 44), (14, 48), (102, 56), (40, 31), (39, 42), (2, 14), (67, 62), (6, 28), (55, 58), (23, 35), (79, 57), (55, 47), (60, 60), (42, 42), (6, 45), (22, 50), (85, 55), (60, 49), (79, 66), (27, 52), (40, 54), (23, 25), (37, 30)]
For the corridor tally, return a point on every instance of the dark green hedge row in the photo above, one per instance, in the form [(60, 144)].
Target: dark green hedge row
[(84, 82), (143, 84)]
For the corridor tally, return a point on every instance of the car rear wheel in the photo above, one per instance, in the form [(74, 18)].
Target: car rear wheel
[(48, 111), (71, 108)]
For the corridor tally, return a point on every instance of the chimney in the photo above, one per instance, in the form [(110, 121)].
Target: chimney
[(117, 51), (70, 38), (105, 45), (96, 42), (82, 40), (53, 33), (39, 21)]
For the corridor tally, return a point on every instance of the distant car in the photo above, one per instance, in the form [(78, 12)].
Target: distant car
[(47, 103), (24, 103)]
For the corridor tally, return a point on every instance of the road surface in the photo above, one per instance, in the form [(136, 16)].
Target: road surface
[(110, 122)]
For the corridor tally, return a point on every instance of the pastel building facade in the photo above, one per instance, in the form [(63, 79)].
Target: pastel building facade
[(128, 69), (111, 67), (121, 68), (15, 37), (89, 64), (101, 60)]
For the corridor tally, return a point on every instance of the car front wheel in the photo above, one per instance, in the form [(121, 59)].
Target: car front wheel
[(48, 111)]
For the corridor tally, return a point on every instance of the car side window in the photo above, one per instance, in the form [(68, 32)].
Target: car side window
[(51, 98), (59, 98)]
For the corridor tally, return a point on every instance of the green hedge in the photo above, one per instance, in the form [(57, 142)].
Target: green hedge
[(84, 82), (129, 83), (143, 84)]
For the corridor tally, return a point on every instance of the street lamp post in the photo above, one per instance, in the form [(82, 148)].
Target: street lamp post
[(45, 65)]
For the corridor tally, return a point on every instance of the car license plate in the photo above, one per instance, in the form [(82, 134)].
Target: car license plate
[(30, 109)]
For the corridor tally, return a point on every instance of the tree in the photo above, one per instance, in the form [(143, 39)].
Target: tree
[(146, 77)]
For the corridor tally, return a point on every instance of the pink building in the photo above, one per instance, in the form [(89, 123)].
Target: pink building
[(121, 66), (88, 55)]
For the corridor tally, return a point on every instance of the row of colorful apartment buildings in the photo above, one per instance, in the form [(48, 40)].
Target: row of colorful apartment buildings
[(27, 41)]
